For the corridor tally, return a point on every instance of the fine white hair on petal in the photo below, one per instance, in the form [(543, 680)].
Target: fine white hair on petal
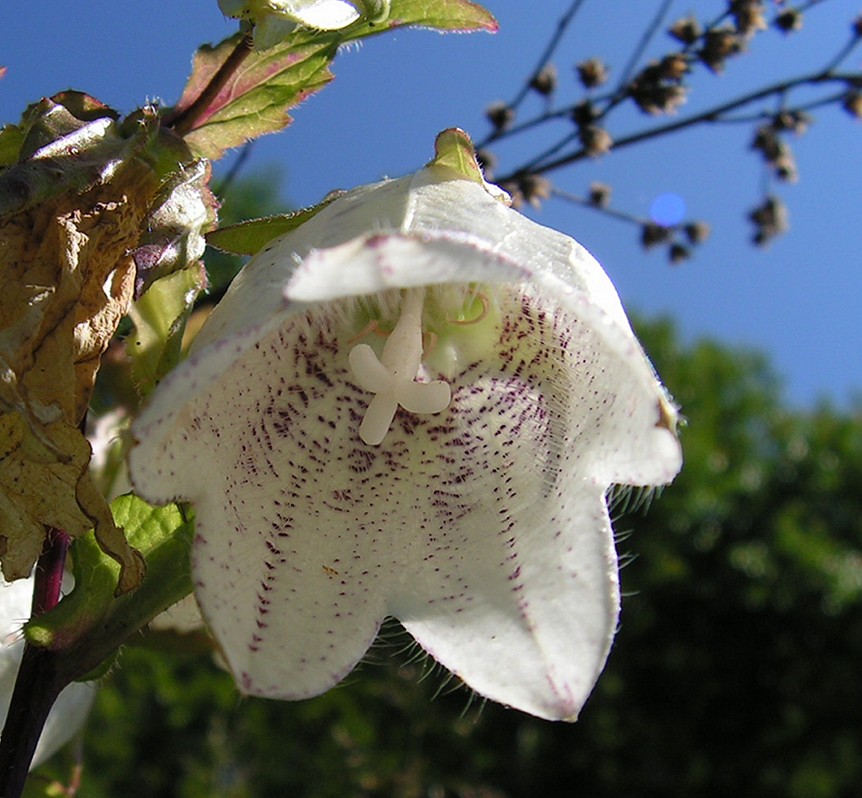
[(483, 527)]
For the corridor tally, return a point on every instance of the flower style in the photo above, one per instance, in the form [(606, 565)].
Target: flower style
[(412, 405), (69, 712)]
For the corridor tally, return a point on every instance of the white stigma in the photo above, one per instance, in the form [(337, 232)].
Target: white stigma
[(392, 377)]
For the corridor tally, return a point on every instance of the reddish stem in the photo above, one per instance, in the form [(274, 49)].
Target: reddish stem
[(185, 120), (38, 682), (48, 577)]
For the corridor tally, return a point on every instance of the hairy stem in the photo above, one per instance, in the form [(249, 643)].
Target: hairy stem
[(185, 121)]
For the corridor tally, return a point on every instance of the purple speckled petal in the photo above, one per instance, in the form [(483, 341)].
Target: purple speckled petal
[(525, 611), (483, 527)]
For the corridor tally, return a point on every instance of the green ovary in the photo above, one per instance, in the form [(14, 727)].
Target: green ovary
[(460, 323)]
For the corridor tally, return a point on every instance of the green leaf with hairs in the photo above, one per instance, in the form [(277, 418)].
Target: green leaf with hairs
[(460, 16), (265, 83)]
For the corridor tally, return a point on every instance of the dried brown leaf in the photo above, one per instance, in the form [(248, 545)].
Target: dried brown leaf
[(66, 280)]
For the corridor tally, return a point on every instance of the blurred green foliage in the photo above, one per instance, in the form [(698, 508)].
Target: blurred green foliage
[(735, 671)]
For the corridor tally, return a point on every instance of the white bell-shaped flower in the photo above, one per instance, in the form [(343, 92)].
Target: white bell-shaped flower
[(413, 405)]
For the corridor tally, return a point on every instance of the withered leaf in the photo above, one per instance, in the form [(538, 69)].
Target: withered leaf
[(66, 280), (83, 196)]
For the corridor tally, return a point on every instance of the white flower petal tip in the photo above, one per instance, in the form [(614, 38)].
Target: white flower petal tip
[(72, 706), (413, 405)]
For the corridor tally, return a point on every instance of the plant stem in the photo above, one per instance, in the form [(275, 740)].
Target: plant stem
[(48, 577), (641, 47), (36, 689), (38, 682), (552, 45), (185, 120)]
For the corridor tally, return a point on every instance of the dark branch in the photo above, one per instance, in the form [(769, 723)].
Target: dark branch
[(642, 45), (548, 52), (713, 114), (38, 682)]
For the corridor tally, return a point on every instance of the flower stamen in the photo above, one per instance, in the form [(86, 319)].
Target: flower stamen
[(373, 326), (484, 312), (392, 377)]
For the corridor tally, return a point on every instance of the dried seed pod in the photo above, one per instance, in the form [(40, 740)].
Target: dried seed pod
[(686, 30), (545, 80), (592, 73), (500, 115), (596, 140), (599, 195)]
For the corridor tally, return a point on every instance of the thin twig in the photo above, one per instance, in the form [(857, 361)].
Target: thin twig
[(710, 115), (759, 116), (641, 47), (604, 210), (549, 152), (842, 53), (548, 52)]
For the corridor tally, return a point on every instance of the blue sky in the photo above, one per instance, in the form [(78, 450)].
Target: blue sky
[(799, 300)]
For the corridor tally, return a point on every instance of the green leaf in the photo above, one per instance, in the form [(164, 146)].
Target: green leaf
[(11, 139), (446, 15), (247, 238), (160, 317), (89, 624), (255, 99)]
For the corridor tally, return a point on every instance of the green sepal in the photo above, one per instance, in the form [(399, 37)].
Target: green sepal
[(454, 150), (160, 316), (248, 238)]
